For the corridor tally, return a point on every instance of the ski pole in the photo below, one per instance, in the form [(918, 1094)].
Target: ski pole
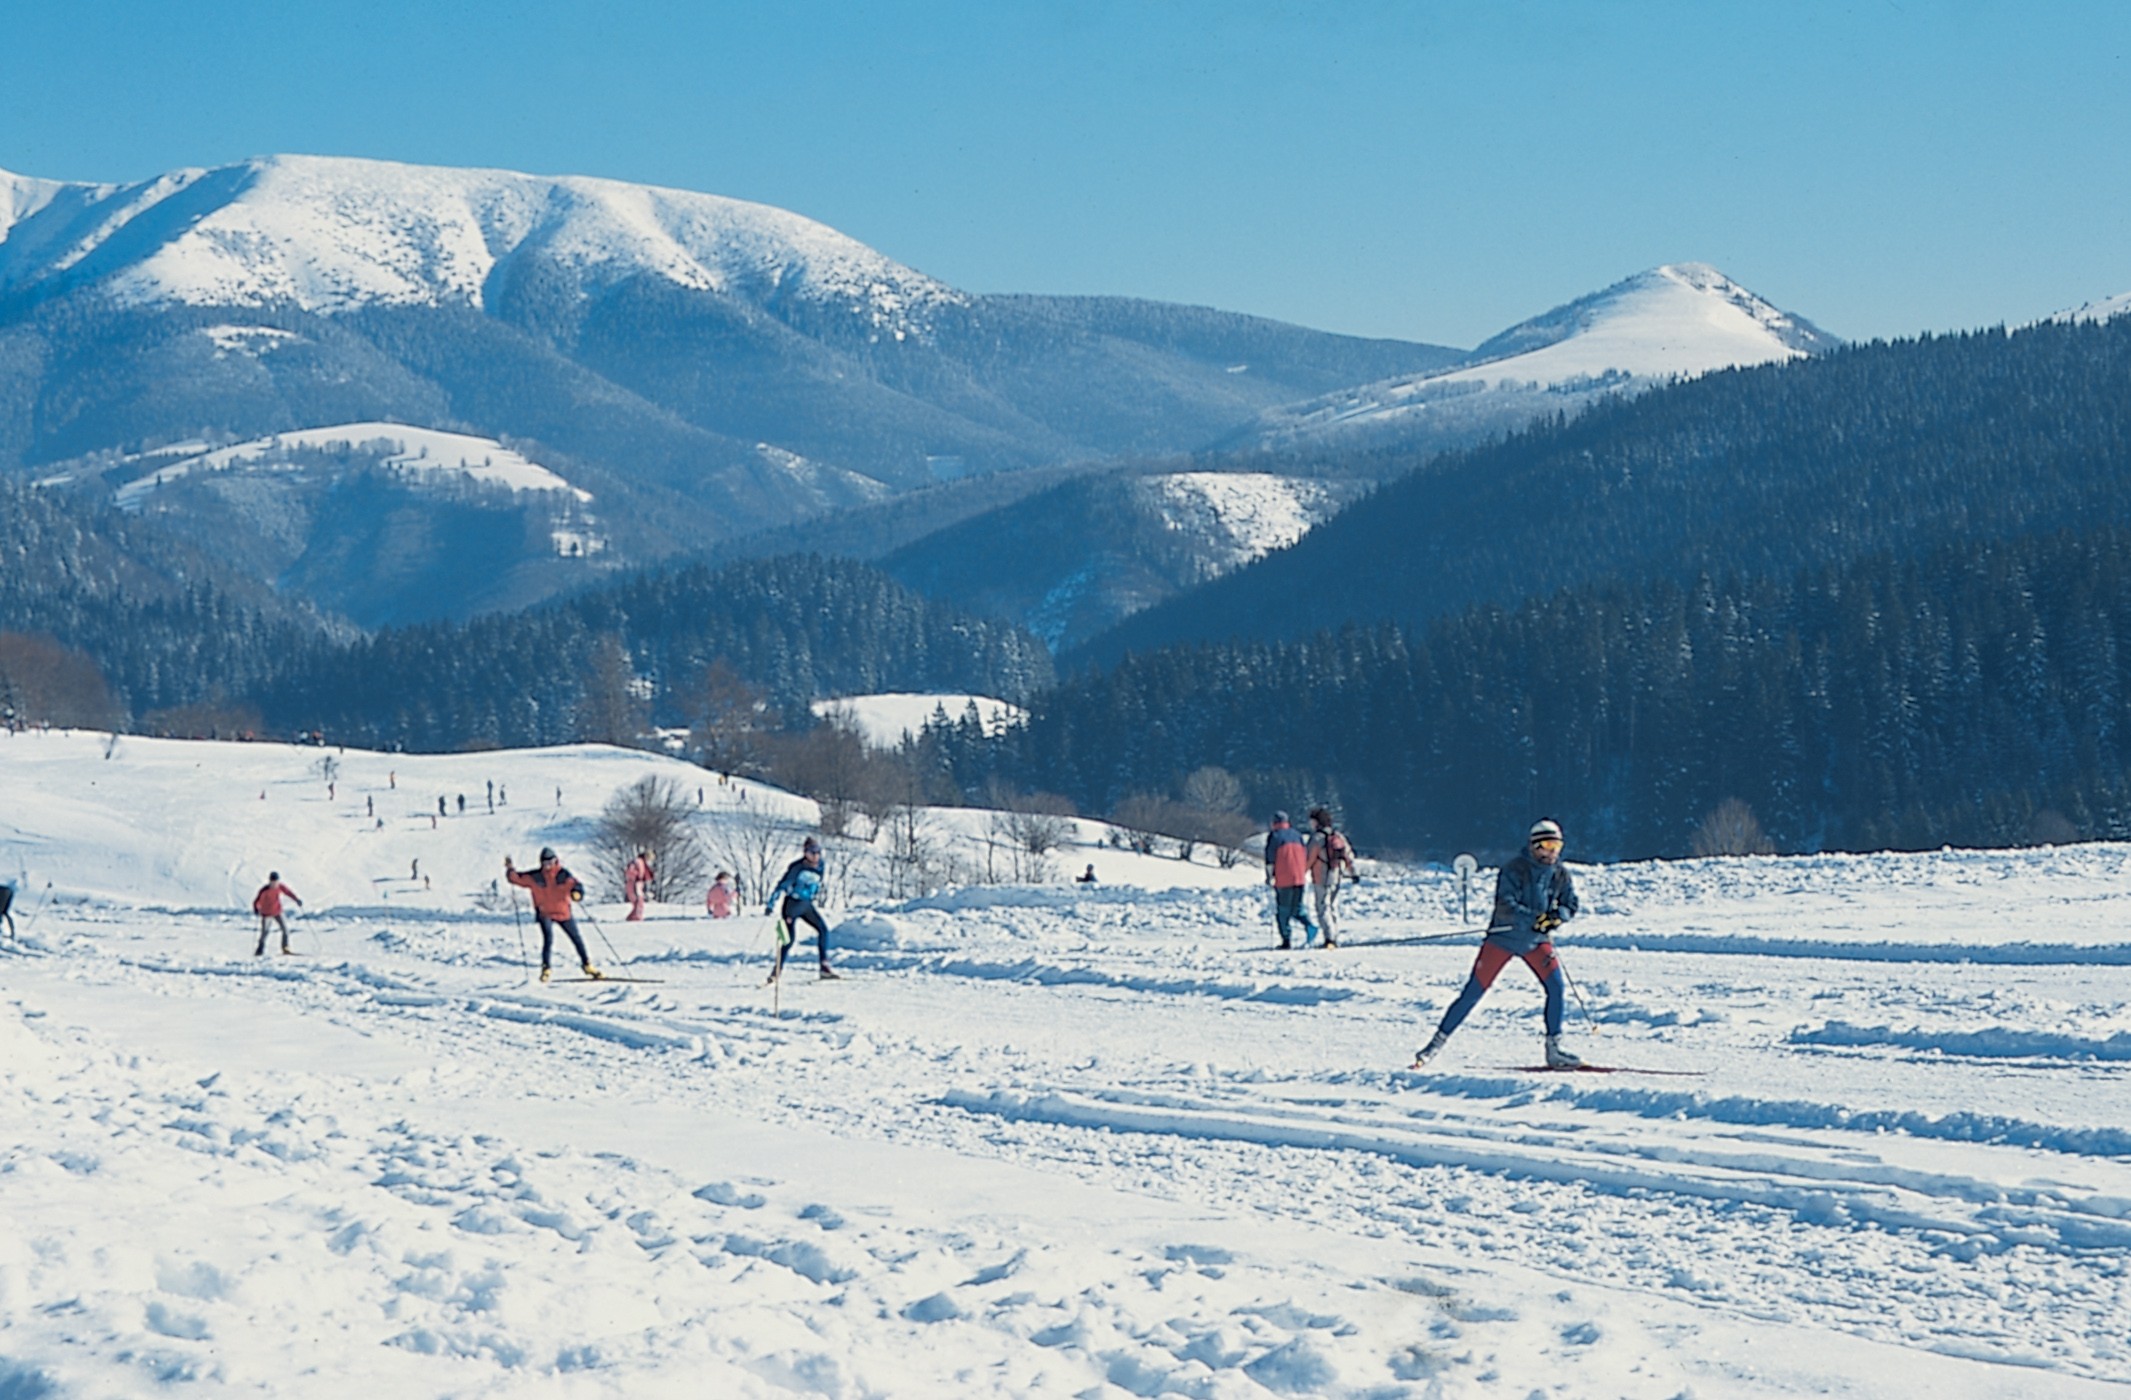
[(1585, 1006), (621, 961), (44, 897), (525, 964)]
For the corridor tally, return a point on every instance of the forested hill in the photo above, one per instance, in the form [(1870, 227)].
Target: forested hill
[(103, 624), (1765, 471), (1975, 695), (602, 664)]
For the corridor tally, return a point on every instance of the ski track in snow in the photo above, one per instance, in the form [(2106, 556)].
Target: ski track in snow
[(1050, 1143)]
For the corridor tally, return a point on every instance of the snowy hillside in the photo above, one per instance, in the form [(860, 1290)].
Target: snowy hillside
[(416, 454), (1241, 516), (1671, 322), (333, 234), (1038, 1141), (2106, 309)]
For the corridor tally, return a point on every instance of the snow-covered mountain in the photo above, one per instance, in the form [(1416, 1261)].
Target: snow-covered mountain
[(708, 368), (335, 235), (1671, 322), (1070, 562)]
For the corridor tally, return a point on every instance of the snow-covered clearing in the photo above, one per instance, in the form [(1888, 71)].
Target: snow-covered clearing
[(1040, 1141), (416, 453), (887, 719)]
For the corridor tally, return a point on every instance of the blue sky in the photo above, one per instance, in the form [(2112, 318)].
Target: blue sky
[(1430, 171)]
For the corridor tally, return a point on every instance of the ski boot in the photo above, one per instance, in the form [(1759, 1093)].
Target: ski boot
[(593, 974), (1558, 1058), (830, 974), (545, 974), (1427, 1052)]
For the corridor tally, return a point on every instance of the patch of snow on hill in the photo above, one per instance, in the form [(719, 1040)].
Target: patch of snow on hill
[(415, 452), (1243, 515), (885, 719)]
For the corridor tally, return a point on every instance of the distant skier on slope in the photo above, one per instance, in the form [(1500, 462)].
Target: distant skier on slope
[(636, 884), (1331, 866), (554, 890), (1533, 896), (799, 889), (267, 905), (1287, 870)]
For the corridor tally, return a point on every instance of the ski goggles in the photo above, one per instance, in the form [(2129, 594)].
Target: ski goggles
[(1546, 843)]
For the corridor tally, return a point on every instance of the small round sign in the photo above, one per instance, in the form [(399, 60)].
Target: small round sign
[(1465, 865)]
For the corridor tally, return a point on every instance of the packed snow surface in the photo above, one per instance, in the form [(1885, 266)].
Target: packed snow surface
[(333, 235), (886, 719), (1040, 1140), (415, 452)]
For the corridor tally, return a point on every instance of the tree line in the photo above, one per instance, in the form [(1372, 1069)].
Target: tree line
[(1975, 695)]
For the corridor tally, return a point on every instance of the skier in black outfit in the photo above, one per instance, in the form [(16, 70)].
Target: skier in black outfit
[(800, 887), (7, 904)]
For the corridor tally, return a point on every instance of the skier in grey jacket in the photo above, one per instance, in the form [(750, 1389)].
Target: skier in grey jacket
[(1534, 895)]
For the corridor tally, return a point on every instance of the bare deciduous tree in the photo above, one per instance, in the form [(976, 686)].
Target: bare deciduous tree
[(42, 682), (755, 845), (614, 708), (1731, 829), (655, 814), (731, 718)]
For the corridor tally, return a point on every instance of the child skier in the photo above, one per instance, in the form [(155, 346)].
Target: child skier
[(636, 884), (1533, 896)]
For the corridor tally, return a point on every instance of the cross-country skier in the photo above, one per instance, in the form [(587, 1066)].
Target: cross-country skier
[(1533, 896), (554, 890), (267, 905), (1287, 870), (636, 884), (720, 899), (1331, 866), (799, 888)]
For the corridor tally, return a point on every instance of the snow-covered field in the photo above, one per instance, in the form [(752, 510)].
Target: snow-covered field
[(1039, 1141)]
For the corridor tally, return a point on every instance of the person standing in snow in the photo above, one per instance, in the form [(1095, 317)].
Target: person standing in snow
[(720, 899), (636, 884), (1533, 896), (799, 889), (1331, 866), (267, 905), (554, 891), (7, 905), (1287, 870)]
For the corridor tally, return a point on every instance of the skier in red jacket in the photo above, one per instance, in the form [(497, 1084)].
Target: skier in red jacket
[(554, 891), (267, 905)]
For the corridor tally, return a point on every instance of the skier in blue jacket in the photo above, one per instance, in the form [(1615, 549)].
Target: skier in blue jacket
[(799, 888), (1533, 896)]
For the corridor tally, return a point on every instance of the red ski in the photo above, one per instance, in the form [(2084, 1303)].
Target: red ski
[(1606, 1069)]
